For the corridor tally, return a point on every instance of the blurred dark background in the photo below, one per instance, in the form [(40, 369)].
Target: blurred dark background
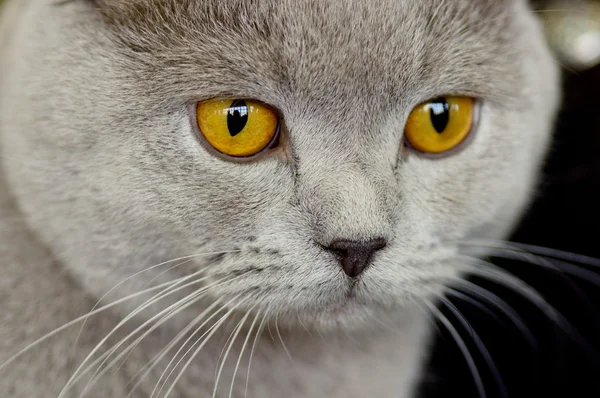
[(564, 216)]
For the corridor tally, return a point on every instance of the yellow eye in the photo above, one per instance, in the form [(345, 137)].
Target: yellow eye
[(237, 127), (440, 124)]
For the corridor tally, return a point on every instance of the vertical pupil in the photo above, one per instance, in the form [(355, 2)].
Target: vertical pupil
[(440, 114), (237, 117)]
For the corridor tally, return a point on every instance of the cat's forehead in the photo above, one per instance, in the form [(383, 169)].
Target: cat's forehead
[(379, 12), (376, 47)]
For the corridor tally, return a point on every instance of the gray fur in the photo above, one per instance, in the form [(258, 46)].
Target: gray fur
[(102, 177)]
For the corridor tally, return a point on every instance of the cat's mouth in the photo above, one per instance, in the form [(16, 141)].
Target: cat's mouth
[(352, 287), (352, 297)]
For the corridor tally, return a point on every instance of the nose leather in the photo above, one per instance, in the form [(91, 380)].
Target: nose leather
[(356, 256)]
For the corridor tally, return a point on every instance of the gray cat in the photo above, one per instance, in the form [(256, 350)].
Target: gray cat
[(262, 197)]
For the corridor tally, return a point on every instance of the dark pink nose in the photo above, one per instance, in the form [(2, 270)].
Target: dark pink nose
[(356, 256)]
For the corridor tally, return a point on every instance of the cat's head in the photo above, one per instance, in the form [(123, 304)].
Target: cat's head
[(106, 158)]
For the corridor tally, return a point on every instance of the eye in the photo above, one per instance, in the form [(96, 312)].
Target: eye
[(440, 125), (237, 127)]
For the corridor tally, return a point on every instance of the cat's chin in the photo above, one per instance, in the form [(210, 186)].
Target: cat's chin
[(351, 311), (352, 316)]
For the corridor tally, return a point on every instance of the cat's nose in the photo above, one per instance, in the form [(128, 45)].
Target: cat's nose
[(356, 256)]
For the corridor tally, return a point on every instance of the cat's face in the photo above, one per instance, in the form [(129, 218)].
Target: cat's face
[(108, 166)]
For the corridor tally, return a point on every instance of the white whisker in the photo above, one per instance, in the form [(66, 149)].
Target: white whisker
[(165, 315), (198, 330), (258, 334), (159, 322), (146, 369), (496, 301), (237, 365), (171, 311), (187, 258), (212, 332), (539, 250), (281, 338), (81, 319), (302, 324), (147, 304), (234, 335), (461, 345), (555, 264), (496, 274), (479, 343), (222, 353)]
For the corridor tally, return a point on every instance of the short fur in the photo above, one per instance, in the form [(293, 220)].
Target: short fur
[(103, 176)]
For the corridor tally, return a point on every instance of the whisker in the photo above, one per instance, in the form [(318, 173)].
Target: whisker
[(146, 369), (479, 343), (256, 337), (101, 369), (495, 274), (559, 254), (147, 304), (126, 280), (166, 314), (302, 324), (171, 268), (281, 338), (489, 271), (556, 260), (461, 345), (182, 347), (147, 284), (496, 301), (270, 331), (454, 293), (539, 250), (178, 307), (505, 308), (237, 365), (557, 265), (214, 329), (222, 353), (235, 334), (560, 267), (186, 259), (81, 319)]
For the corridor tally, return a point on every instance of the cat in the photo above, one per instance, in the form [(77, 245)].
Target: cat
[(307, 266)]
